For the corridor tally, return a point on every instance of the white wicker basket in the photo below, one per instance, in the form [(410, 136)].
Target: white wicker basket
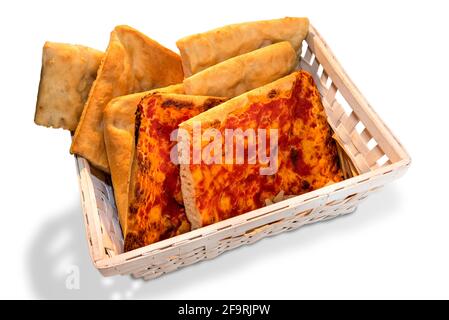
[(370, 150)]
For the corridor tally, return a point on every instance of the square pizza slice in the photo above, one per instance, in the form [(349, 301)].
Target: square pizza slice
[(155, 206), (287, 147)]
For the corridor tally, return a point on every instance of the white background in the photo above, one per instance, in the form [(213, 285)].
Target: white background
[(394, 246)]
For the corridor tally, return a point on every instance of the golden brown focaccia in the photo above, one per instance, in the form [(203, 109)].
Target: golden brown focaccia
[(203, 50), (155, 209), (66, 78), (119, 124), (306, 153), (132, 63), (251, 70)]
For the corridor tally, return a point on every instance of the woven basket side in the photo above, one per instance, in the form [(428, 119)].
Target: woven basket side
[(215, 239), (213, 249), (364, 137)]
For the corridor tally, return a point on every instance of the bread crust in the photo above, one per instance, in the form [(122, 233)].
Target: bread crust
[(240, 74), (189, 197), (200, 51), (132, 63), (67, 74)]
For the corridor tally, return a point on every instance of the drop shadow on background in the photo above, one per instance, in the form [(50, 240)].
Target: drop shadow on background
[(60, 246)]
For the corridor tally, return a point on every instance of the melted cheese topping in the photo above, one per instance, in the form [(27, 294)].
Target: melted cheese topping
[(156, 211), (307, 156)]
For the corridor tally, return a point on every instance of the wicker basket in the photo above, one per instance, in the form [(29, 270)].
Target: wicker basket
[(370, 155)]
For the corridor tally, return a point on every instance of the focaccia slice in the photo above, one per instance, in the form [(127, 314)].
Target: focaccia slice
[(156, 211), (119, 124), (200, 51), (307, 155), (237, 75), (132, 63), (67, 74)]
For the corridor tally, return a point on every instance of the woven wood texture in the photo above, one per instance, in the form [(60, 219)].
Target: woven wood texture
[(369, 153)]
